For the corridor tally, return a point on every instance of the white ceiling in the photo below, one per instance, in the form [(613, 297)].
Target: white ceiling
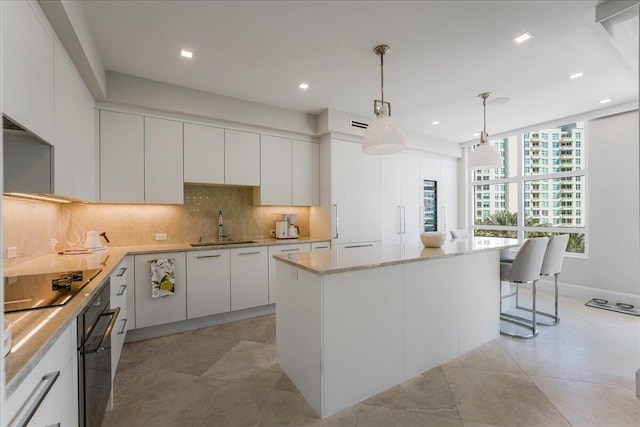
[(443, 54)]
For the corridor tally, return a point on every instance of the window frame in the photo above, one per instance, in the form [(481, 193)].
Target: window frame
[(520, 179)]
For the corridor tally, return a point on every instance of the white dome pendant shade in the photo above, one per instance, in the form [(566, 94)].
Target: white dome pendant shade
[(383, 135), (484, 155)]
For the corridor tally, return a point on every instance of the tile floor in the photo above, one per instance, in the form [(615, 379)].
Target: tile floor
[(578, 373)]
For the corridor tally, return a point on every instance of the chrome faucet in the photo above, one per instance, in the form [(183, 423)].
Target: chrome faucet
[(220, 224)]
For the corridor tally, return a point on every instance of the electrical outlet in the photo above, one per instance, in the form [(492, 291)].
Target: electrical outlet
[(161, 236), (12, 252)]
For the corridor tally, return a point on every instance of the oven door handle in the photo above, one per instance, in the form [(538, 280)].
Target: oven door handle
[(114, 316)]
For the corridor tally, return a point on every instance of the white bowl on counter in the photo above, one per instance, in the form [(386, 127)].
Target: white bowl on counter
[(433, 239)]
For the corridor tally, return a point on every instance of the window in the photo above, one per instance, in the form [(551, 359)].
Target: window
[(551, 205)]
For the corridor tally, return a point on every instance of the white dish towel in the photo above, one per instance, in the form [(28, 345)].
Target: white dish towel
[(163, 278)]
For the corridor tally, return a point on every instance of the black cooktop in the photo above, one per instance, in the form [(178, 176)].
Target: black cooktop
[(44, 290)]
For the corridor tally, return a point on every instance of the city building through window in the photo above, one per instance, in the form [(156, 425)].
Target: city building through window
[(524, 183)]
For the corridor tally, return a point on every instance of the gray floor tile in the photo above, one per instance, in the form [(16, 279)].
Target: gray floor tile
[(375, 416), (427, 393), (260, 329)]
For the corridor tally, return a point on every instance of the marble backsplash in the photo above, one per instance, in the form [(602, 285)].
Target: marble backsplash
[(34, 227)]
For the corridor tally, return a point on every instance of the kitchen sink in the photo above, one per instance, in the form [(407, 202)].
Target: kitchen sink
[(225, 243)]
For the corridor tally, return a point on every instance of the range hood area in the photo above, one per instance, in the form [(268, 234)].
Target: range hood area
[(27, 161)]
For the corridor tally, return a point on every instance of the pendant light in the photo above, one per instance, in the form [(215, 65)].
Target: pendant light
[(485, 155), (383, 135)]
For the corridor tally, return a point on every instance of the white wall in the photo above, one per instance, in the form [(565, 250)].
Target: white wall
[(137, 92), (613, 166)]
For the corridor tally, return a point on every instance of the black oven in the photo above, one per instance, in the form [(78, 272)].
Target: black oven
[(94, 359)]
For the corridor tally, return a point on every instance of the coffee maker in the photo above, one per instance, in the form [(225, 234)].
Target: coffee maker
[(286, 227)]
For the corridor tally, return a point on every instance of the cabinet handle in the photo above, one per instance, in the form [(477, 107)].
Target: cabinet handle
[(249, 253), (123, 288), (122, 271), (124, 325), (400, 219), (290, 250), (358, 246), (48, 380), (335, 209), (404, 219), (208, 256), (320, 247), (444, 220), (54, 425)]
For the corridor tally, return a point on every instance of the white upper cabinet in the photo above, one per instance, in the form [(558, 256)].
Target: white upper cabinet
[(290, 172), (203, 154), (163, 173), (241, 158), (121, 157), (275, 171), (305, 173), (27, 70), (75, 142)]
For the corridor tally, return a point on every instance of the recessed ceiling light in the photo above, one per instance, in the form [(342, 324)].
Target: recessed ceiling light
[(605, 101), (435, 123), (522, 38), (575, 75), (186, 53), (303, 86)]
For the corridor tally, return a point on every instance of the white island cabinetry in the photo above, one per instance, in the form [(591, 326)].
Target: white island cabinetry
[(277, 250), (339, 351)]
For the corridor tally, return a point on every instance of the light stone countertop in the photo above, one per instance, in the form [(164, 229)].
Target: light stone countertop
[(341, 260), (28, 347)]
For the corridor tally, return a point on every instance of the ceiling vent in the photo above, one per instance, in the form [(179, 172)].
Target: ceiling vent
[(359, 125)]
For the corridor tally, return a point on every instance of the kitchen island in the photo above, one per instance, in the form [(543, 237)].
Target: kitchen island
[(351, 323)]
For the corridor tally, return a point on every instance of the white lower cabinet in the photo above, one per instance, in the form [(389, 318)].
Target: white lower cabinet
[(249, 277), (119, 291), (49, 394), (156, 311), (281, 250), (208, 282)]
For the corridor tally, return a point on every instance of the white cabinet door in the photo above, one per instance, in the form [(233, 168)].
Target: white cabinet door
[(355, 193), (241, 158), (121, 157), (27, 69), (249, 277), (411, 199), (74, 152), (305, 173), (391, 194), (448, 195), (275, 172), (208, 283), (163, 168), (59, 408), (281, 250), (157, 311), (203, 154)]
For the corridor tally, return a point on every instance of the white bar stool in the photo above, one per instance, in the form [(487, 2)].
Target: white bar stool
[(525, 268)]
